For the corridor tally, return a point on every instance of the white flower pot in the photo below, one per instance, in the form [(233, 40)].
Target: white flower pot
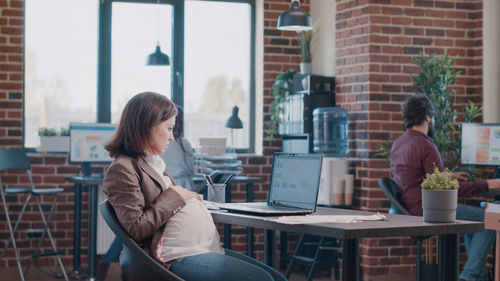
[(439, 205), (54, 144), (306, 67)]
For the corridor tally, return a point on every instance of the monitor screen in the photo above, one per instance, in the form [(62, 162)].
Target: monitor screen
[(87, 142), (480, 144)]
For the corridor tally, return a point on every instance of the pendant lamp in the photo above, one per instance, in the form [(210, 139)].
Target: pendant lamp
[(295, 19), (158, 57)]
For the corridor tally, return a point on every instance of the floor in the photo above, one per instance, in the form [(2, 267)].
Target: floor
[(50, 273)]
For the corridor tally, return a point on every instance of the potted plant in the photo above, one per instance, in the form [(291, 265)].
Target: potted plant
[(439, 196), (53, 140), (282, 85), (304, 40)]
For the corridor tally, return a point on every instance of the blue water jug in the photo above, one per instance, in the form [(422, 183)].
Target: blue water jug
[(330, 131)]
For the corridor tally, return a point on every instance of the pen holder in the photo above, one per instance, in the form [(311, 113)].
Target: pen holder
[(216, 193)]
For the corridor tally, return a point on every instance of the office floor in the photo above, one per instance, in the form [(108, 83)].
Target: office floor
[(114, 272)]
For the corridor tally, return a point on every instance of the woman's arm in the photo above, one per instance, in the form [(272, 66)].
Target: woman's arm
[(122, 184)]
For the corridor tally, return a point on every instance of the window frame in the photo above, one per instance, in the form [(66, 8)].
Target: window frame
[(103, 97), (178, 7)]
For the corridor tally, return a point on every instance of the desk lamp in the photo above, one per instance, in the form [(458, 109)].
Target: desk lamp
[(234, 122)]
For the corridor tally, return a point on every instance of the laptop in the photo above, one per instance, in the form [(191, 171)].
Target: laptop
[(294, 187)]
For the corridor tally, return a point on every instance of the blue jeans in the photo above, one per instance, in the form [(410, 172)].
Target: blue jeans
[(218, 267), (477, 245)]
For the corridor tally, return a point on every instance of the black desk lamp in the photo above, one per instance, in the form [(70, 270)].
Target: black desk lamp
[(234, 122)]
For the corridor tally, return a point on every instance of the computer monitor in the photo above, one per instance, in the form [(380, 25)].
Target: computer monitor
[(87, 142), (480, 144)]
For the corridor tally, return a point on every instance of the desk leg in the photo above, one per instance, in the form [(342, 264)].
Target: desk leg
[(448, 257), (92, 232), (350, 260), (77, 228), (250, 240), (497, 258), (270, 247), (227, 227)]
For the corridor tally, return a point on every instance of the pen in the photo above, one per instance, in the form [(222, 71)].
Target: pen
[(209, 179), (228, 178)]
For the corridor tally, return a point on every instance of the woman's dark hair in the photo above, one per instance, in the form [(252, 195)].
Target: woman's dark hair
[(179, 127), (415, 110), (140, 115)]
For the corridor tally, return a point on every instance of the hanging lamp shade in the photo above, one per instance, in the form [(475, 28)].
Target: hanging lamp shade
[(234, 122), (295, 19), (158, 58)]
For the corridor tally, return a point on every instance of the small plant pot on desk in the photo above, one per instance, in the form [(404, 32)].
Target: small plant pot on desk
[(439, 205)]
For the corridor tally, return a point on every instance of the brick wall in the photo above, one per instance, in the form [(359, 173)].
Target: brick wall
[(375, 43)]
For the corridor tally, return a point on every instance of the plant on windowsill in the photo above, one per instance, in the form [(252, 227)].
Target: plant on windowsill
[(304, 41), (53, 140), (282, 85), (439, 196)]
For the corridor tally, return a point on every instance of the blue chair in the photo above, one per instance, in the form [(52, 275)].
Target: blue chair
[(17, 159), (388, 186)]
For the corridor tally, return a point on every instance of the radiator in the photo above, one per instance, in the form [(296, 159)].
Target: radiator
[(104, 234)]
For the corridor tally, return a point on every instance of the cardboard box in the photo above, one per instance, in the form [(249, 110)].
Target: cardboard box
[(492, 216)]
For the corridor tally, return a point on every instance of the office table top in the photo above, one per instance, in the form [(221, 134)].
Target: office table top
[(396, 225)]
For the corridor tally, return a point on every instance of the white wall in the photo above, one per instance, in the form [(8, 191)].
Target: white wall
[(323, 42)]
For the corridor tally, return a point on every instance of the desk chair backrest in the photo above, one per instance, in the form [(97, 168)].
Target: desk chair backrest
[(136, 263), (12, 158), (388, 186)]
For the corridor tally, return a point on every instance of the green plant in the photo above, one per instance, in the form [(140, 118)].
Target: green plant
[(282, 85), (440, 180), (51, 132), (304, 40)]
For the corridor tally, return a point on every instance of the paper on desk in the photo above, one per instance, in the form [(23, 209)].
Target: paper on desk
[(308, 219)]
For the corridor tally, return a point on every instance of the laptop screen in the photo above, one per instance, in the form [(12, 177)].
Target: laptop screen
[(295, 180)]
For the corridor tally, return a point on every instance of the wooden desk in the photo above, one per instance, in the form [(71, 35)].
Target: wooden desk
[(396, 225)]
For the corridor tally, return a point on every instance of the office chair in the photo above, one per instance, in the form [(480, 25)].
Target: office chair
[(388, 186), (136, 264), (17, 159)]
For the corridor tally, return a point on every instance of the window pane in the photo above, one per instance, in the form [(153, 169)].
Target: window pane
[(60, 64), (217, 69), (134, 36)]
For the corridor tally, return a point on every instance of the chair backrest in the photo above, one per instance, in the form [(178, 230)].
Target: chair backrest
[(136, 263), (388, 186), (14, 158)]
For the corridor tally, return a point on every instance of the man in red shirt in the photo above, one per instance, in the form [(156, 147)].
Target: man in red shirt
[(413, 155)]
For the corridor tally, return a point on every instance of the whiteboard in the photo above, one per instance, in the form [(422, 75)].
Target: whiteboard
[(87, 142)]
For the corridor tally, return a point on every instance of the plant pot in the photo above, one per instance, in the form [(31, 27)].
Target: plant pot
[(439, 205), (306, 67), (54, 144)]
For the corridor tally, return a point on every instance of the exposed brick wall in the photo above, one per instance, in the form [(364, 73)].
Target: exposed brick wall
[(375, 42)]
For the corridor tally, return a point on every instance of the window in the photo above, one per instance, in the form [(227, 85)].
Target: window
[(217, 69), (210, 49), (60, 64)]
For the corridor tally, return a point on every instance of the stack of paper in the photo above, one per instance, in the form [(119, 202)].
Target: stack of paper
[(310, 219)]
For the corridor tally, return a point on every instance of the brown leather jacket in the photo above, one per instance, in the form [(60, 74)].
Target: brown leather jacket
[(142, 202)]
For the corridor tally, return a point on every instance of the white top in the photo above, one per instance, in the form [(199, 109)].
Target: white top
[(189, 232)]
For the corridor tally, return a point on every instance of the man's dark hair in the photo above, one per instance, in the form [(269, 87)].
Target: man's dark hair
[(416, 109)]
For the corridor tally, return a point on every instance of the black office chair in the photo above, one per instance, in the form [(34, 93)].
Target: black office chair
[(388, 186), (136, 264), (17, 159)]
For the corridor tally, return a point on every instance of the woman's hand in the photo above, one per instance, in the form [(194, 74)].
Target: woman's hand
[(461, 176), (186, 194)]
